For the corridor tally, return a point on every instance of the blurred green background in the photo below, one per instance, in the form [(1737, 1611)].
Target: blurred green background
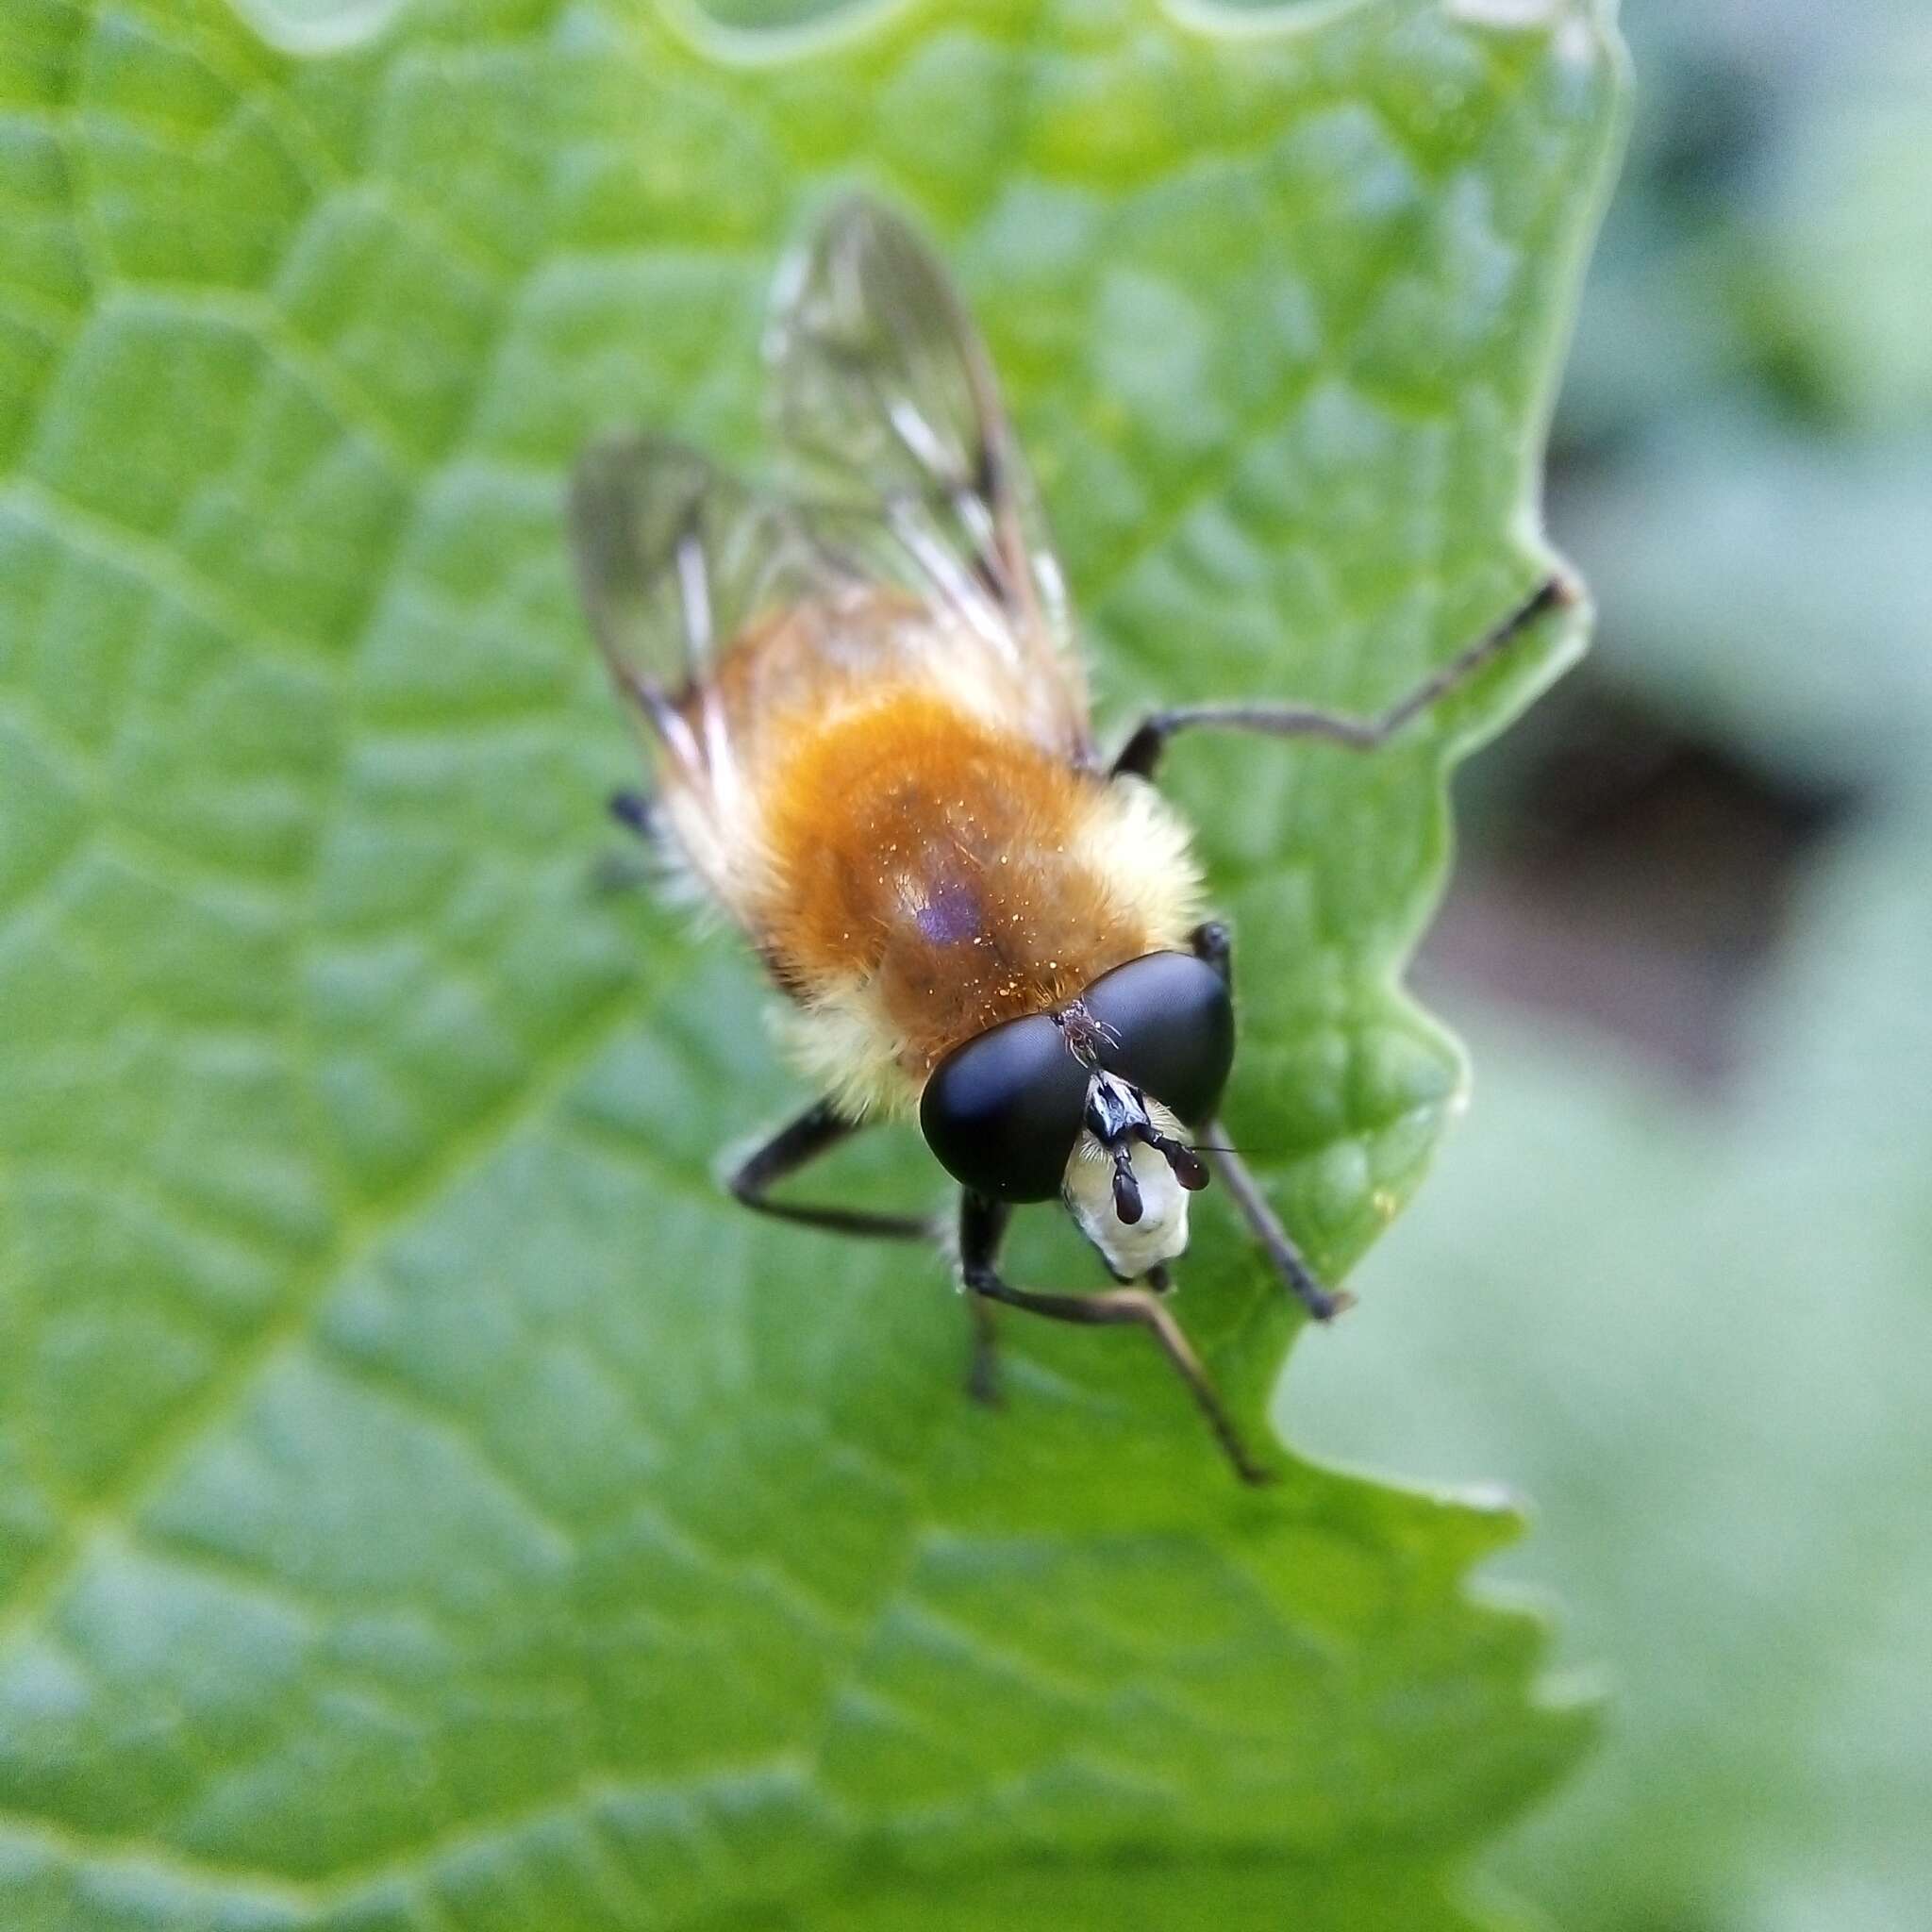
[(1669, 1282), (1672, 1276)]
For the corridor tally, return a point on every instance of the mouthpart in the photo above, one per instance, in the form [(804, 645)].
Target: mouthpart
[(1128, 1178)]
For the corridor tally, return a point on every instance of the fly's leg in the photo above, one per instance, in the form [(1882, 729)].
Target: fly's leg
[(1212, 942), (635, 812), (983, 1374), (1141, 756), (630, 871), (797, 1144), (983, 1222), (1213, 945), (1276, 1242)]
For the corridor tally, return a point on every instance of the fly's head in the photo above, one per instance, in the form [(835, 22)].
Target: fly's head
[(1094, 1103)]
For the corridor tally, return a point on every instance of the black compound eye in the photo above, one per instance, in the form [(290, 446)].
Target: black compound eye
[(1002, 1111), (1170, 1029)]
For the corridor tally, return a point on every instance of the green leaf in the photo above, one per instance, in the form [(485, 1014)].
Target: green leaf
[(1720, 1402), (425, 1502)]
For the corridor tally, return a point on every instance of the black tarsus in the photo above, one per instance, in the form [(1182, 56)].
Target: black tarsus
[(627, 871), (1276, 1242), (1141, 756), (798, 1143), (982, 1226), (636, 812), (1213, 943)]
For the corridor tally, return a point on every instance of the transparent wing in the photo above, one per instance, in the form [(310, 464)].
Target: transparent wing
[(883, 385), (676, 559)]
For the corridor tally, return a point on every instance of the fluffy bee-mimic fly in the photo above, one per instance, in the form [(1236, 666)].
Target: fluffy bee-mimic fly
[(873, 754)]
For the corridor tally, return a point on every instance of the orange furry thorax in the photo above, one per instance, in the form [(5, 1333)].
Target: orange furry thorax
[(945, 866)]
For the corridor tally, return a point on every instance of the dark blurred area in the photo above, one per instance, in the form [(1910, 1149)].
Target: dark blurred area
[(1634, 875), (1673, 1279)]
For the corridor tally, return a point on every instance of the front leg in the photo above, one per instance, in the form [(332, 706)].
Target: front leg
[(1213, 943), (983, 1224), (637, 813), (1277, 1243), (1141, 756), (797, 1144)]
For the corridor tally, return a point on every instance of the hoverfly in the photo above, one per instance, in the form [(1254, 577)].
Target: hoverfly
[(873, 752)]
